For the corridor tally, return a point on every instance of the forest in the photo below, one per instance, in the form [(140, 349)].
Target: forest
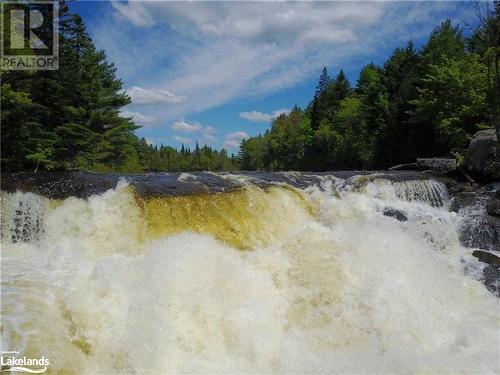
[(422, 102), (69, 119)]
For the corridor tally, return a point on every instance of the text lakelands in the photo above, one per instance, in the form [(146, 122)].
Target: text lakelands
[(23, 361)]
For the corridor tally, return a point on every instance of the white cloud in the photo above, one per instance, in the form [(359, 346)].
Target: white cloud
[(155, 141), (207, 138), (256, 116), (230, 50), (139, 118), (219, 52), (184, 140), (263, 21), (140, 96), (186, 127), (232, 143), (192, 127), (263, 117), (134, 12), (233, 140), (204, 134), (237, 135)]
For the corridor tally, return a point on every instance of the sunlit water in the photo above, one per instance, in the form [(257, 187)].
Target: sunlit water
[(273, 280)]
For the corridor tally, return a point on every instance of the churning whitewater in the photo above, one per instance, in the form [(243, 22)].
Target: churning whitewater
[(363, 275)]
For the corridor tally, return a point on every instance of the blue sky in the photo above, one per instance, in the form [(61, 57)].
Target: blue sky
[(219, 71)]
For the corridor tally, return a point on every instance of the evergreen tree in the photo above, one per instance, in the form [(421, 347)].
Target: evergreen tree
[(315, 113), (74, 120), (421, 103), (323, 83), (486, 42), (341, 87), (445, 42), (320, 102), (402, 72), (375, 112)]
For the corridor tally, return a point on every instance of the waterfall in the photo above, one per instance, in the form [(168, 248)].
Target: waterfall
[(22, 217), (359, 275)]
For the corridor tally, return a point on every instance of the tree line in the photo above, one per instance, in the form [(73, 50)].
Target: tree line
[(167, 158), (69, 119), (424, 102), (420, 103)]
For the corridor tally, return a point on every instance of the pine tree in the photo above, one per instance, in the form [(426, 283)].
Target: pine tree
[(323, 83), (340, 88), (315, 113), (70, 117), (197, 157), (486, 41)]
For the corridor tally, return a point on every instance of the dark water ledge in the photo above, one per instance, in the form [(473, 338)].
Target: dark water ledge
[(61, 185)]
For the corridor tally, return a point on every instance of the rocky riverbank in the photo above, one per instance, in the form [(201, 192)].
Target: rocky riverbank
[(482, 229)]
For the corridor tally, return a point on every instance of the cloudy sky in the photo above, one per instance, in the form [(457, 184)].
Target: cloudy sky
[(220, 71)]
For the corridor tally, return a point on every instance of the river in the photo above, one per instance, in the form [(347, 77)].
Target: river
[(243, 273)]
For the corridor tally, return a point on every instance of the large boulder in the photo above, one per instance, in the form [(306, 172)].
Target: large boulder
[(483, 159)]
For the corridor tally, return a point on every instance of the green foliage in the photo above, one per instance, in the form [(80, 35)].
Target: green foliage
[(69, 118), (445, 42), (166, 158), (407, 139), (374, 111), (425, 102), (486, 42), (421, 103), (252, 152), (351, 133), (452, 97), (42, 157), (287, 140)]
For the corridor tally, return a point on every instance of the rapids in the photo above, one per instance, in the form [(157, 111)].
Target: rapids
[(264, 277)]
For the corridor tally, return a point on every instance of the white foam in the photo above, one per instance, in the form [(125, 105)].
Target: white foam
[(184, 177), (346, 291)]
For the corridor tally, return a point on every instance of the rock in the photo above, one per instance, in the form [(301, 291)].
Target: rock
[(491, 279), (482, 232), (483, 160), (487, 257), (437, 164), (493, 207), (59, 185), (491, 273), (493, 188), (462, 200), (404, 167), (397, 214), (480, 226)]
